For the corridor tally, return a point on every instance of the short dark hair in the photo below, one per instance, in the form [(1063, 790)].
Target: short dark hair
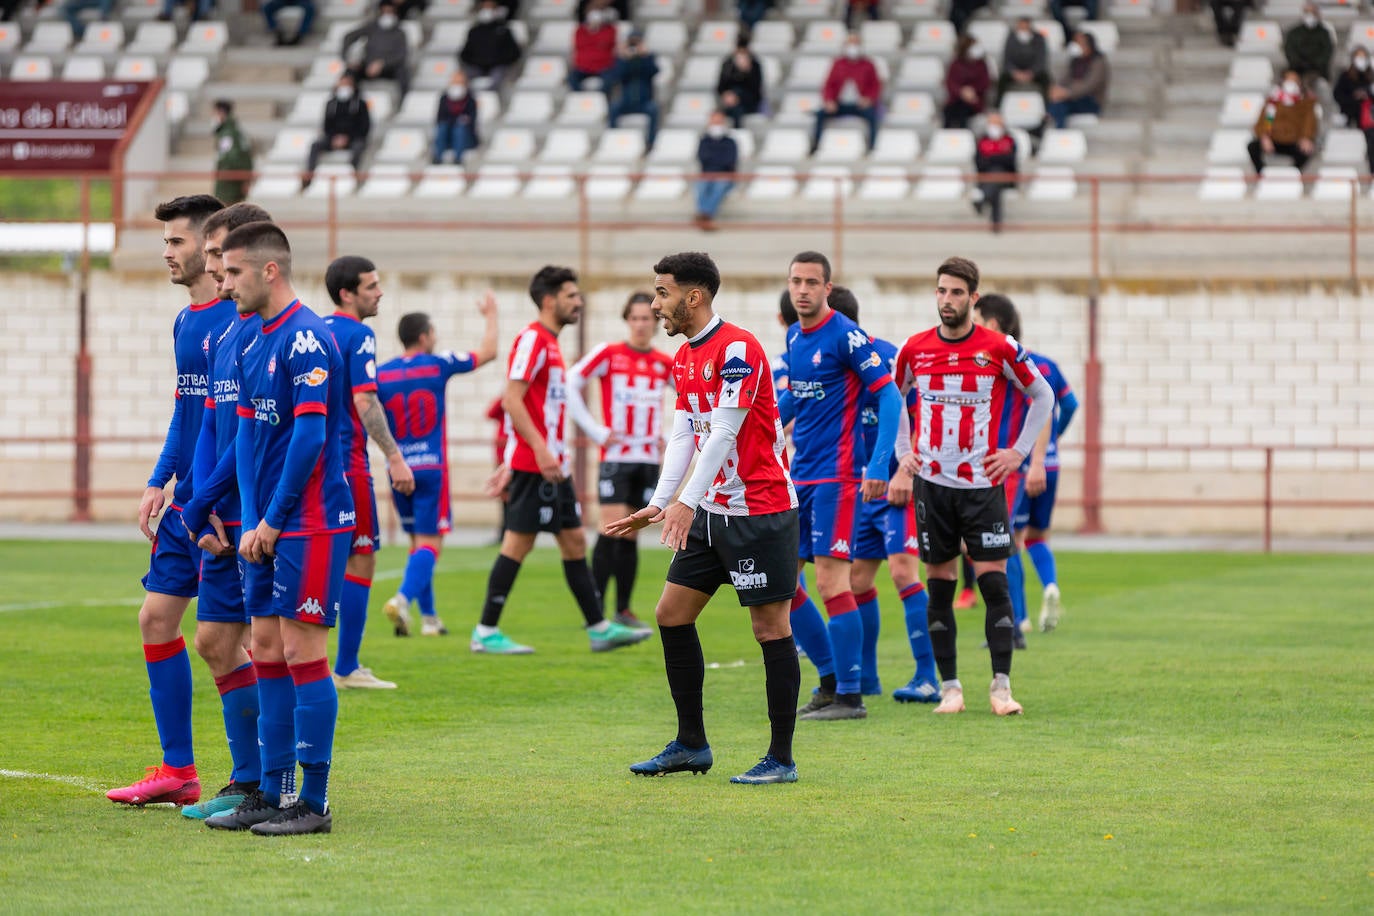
[(636, 298), (224, 106), (962, 268), (844, 302), (265, 240), (548, 281), (787, 310), (1000, 308), (345, 273), (195, 207), (235, 215), (812, 257), (411, 327), (691, 268)]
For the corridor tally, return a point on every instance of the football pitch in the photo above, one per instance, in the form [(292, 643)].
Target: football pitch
[(1199, 736)]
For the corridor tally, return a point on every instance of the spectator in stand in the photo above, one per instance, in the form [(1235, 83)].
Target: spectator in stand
[(1287, 125), (961, 11), (740, 86), (269, 14), (632, 82), (751, 12), (852, 89), (966, 83), (200, 9), (404, 8), (491, 48), (385, 51), (455, 124), (619, 9), (1025, 61), (1057, 11), (233, 153), (346, 126), (1084, 91), (1354, 86), (1229, 16), (860, 9), (593, 51), (72, 10), (994, 155), (9, 8), (1308, 46), (718, 159)]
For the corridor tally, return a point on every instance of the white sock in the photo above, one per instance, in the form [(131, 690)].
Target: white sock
[(601, 627), (483, 632)]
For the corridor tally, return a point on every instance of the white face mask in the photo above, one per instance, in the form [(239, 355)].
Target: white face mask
[(595, 18), (1309, 20), (344, 93), (852, 52), (995, 132), (1075, 50), (387, 21), (486, 15), (715, 131), (457, 92), (1025, 37), (1291, 87), (976, 52), (1361, 63)]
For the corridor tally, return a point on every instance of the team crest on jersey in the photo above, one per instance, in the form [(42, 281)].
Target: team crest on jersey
[(205, 344), (707, 371), (272, 365), (306, 342), (816, 358), (981, 360)]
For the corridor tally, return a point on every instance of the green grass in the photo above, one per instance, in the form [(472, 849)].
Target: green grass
[(1197, 738)]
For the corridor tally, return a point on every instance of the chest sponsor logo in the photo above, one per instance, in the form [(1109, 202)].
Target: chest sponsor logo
[(306, 342), (746, 577), (265, 411), (802, 389)]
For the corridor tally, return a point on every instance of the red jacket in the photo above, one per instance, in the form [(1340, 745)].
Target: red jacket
[(593, 51), (963, 73), (861, 71)]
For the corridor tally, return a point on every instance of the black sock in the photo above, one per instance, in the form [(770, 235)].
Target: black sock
[(782, 673), (940, 624), (850, 699), (626, 568), (603, 560), (1000, 624), (584, 591), (503, 573), (967, 566), (686, 669), (827, 683)]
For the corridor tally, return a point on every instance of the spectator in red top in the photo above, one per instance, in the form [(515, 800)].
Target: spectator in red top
[(995, 154), (852, 89), (966, 83), (593, 52)]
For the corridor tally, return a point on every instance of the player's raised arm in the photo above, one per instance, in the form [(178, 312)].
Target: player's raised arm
[(486, 350)]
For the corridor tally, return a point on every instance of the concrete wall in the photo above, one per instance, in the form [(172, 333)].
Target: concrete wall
[(1195, 383)]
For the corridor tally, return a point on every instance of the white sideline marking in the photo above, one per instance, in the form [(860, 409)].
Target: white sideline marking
[(88, 602), (78, 781)]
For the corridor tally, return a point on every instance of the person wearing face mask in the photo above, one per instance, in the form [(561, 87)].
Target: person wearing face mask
[(233, 153), (1287, 124), (966, 83), (271, 8), (384, 49), (995, 154), (1084, 89), (718, 158), (1353, 86), (593, 50), (1025, 61), (491, 48), (740, 86), (630, 84), (1308, 46), (851, 89), (346, 127), (455, 124)]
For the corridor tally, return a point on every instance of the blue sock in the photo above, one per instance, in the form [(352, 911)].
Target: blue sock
[(352, 623), (872, 623), (914, 602), (809, 632), (419, 572), (1043, 558), (169, 687), (238, 695), (426, 600), (317, 711), (1016, 581), (846, 639), (276, 730)]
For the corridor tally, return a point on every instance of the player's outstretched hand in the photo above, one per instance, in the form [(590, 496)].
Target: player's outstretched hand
[(487, 304), (496, 484), (1001, 463), (148, 508), (217, 543), (632, 523), (677, 524), (873, 489), (899, 489), (402, 477)]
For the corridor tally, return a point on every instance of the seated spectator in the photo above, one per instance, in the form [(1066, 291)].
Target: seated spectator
[(1354, 86), (718, 159), (632, 79), (1084, 91), (966, 83), (1057, 11), (233, 153), (200, 9), (593, 51), (1308, 46), (269, 13), (752, 12), (1229, 16), (852, 89), (384, 49), (857, 9), (740, 86), (9, 9), (994, 155), (1287, 125), (405, 8), (618, 9), (72, 10), (491, 48), (961, 11), (1025, 61), (346, 126), (455, 125)]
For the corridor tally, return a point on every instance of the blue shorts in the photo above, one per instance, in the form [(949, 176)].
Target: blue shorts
[(174, 567), (427, 510), (367, 537), (826, 512), (884, 529), (221, 584), (308, 578), (257, 588), (1035, 511)]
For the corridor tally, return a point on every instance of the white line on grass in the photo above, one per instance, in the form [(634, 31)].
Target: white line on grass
[(78, 781), (88, 602)]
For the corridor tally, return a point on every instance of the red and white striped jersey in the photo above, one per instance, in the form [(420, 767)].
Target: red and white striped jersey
[(728, 368), (536, 359), (631, 383), (963, 390)]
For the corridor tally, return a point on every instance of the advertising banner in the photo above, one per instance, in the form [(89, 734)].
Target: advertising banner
[(65, 126)]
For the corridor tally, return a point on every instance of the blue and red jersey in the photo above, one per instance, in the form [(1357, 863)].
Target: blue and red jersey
[(1015, 416), (830, 367), (358, 349), (868, 407), (222, 404), (412, 391)]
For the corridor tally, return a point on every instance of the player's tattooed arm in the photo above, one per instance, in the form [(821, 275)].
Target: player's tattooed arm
[(373, 417)]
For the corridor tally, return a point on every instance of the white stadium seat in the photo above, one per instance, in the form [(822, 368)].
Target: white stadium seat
[(440, 182), (1279, 182), (1228, 147), (885, 182), (941, 182), (1222, 183), (1241, 109), (773, 182), (896, 146)]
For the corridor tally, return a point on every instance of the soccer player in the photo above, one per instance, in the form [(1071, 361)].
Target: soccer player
[(536, 473), (633, 375), (735, 520), (831, 361), (886, 530), (298, 522), (356, 290), (963, 372), (173, 569), (412, 389)]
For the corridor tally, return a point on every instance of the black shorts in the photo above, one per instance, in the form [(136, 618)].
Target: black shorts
[(947, 515), (757, 554), (535, 505), (627, 484)]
